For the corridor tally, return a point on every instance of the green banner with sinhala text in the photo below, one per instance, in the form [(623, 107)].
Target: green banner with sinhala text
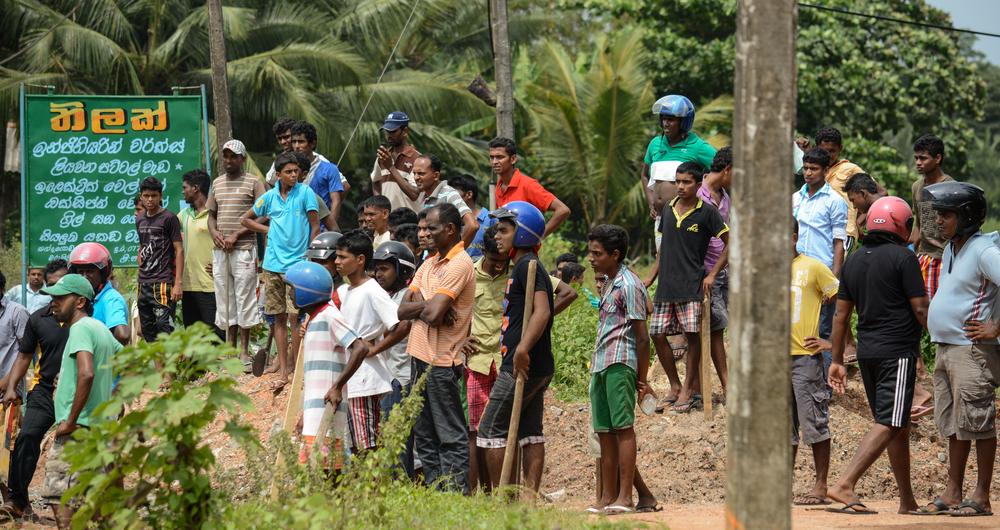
[(83, 158)]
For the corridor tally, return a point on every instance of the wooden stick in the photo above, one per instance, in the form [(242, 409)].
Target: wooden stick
[(515, 413), (329, 412), (706, 354), (292, 411)]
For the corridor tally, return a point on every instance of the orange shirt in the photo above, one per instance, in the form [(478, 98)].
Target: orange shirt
[(524, 188), (453, 277)]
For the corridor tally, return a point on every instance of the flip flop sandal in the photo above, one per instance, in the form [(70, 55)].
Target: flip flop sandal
[(665, 403), (920, 411), (978, 509), (941, 508), (851, 508), (692, 404), (811, 500), (617, 509), (648, 509), (591, 509)]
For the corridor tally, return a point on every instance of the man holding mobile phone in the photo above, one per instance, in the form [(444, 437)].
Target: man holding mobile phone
[(392, 175)]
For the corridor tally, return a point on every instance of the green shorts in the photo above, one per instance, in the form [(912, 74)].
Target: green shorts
[(612, 398)]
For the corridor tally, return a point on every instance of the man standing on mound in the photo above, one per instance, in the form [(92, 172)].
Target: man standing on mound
[(882, 279)]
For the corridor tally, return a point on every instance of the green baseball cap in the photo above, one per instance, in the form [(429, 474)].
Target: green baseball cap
[(71, 284)]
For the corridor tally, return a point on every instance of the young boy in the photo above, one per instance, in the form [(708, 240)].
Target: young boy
[(882, 279), (526, 347), (323, 177), (294, 222), (687, 224), (375, 215), (371, 312), (407, 235), (962, 320), (161, 262), (327, 364), (618, 366), (812, 285), (85, 381)]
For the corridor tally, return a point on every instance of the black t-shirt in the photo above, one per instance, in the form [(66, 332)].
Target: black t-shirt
[(542, 363), (881, 278), (156, 246), (43, 335), (683, 249)]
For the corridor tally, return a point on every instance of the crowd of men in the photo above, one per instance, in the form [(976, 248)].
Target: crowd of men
[(435, 285)]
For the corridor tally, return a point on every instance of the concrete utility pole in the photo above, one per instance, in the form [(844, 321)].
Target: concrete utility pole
[(220, 80), (758, 466)]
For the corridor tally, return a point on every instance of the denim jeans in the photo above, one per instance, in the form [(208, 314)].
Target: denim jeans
[(389, 402)]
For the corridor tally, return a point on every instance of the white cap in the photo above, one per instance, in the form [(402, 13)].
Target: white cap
[(236, 147)]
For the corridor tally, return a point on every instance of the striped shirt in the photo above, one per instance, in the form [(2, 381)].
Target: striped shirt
[(229, 199), (327, 338), (444, 193), (453, 277), (623, 300)]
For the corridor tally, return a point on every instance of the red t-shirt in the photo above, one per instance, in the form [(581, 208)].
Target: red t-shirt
[(524, 188)]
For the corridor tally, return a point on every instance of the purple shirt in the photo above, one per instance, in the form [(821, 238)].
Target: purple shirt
[(715, 246)]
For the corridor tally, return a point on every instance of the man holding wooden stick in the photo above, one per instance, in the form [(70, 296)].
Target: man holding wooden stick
[(526, 347)]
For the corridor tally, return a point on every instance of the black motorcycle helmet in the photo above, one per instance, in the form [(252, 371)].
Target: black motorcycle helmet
[(967, 200), (399, 254), (324, 246)]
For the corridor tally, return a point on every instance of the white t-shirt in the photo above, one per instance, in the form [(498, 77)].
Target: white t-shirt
[(399, 360), (370, 312)]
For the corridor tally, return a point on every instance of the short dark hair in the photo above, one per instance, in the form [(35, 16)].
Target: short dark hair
[(284, 159), (358, 243), (465, 183), (53, 266), (817, 155), (305, 129), (402, 216), (283, 124), (447, 214), (408, 232), (151, 184), (136, 199), (567, 257), (692, 168), (571, 272), (829, 134), (507, 144), (434, 161), (198, 179), (379, 202), (860, 182), (302, 161), (930, 144), (723, 159), (612, 237), (489, 240)]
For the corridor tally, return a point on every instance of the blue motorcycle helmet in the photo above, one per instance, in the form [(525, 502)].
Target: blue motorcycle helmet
[(529, 221), (311, 284), (676, 106)]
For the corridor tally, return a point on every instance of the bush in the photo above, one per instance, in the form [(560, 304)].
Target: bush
[(574, 334)]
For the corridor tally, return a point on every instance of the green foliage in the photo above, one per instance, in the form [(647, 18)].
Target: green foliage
[(10, 263), (152, 468), (574, 334)]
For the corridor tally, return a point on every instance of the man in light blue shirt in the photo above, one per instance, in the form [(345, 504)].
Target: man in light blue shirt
[(963, 323), (31, 297)]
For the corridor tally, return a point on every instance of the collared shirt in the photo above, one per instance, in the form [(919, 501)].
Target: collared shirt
[(811, 282), (110, 307), (837, 176), (44, 340), (288, 235), (327, 338), (969, 289), (89, 335), (691, 149), (822, 218), (13, 319), (198, 246), (524, 188), (443, 193), (475, 250), (403, 162), (622, 301), (384, 237), (451, 276), (683, 248), (487, 317), (33, 300), (715, 246)]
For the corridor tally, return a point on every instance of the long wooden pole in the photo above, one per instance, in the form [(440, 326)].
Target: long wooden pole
[(515, 413), (758, 450), (292, 411), (220, 79), (706, 354)]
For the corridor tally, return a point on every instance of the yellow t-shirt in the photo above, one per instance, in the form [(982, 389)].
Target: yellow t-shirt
[(198, 247), (836, 177), (811, 281)]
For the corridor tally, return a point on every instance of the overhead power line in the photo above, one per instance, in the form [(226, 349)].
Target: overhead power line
[(899, 20)]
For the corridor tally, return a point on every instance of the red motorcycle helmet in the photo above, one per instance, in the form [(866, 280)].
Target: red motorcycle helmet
[(93, 254), (891, 215)]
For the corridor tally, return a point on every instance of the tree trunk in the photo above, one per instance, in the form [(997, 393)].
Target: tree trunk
[(220, 80), (759, 451), (502, 67)]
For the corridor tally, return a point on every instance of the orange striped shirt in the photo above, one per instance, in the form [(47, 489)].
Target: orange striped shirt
[(453, 277)]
